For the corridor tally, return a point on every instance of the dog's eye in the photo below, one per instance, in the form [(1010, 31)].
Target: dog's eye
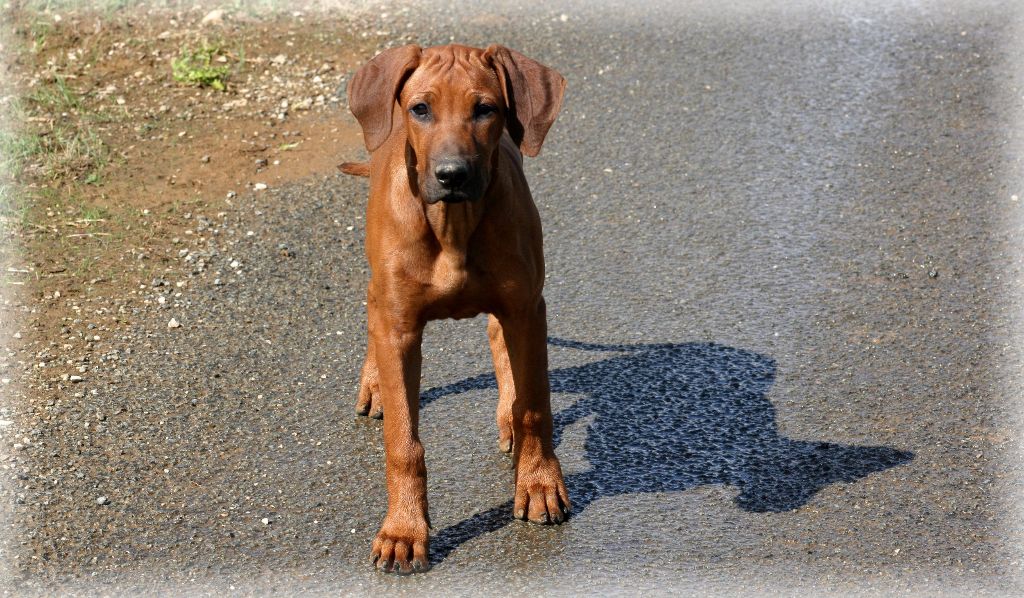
[(484, 110), (420, 111)]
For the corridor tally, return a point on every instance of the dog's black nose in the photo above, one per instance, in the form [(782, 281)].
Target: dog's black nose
[(451, 173)]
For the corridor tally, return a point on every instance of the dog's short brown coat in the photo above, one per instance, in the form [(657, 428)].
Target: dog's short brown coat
[(451, 232)]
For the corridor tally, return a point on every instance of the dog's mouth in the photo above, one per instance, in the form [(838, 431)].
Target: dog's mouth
[(472, 191), (454, 197)]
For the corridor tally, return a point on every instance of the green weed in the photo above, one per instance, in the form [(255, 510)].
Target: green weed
[(195, 67)]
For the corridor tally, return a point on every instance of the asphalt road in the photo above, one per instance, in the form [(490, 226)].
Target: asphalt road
[(784, 283)]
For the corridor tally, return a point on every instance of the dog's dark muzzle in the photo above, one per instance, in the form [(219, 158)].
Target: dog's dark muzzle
[(454, 180)]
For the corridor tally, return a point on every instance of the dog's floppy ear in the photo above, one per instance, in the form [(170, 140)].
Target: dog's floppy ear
[(533, 93), (374, 88)]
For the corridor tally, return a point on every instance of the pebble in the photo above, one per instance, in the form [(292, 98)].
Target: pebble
[(265, 521), (173, 323), (103, 500), (261, 162), (214, 17), (75, 379), (259, 186), (205, 159)]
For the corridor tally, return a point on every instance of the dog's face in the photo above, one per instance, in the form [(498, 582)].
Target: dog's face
[(454, 113), (455, 102)]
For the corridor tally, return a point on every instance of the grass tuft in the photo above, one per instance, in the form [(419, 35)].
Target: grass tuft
[(57, 97)]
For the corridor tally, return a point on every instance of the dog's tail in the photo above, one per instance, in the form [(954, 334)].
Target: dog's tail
[(355, 168)]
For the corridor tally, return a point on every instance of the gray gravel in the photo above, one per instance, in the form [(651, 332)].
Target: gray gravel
[(783, 285)]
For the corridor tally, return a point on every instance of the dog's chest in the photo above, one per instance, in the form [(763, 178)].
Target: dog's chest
[(450, 276), (455, 288)]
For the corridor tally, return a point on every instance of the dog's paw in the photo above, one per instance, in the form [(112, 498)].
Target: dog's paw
[(505, 438), (368, 399), (402, 552), (541, 496), (368, 402)]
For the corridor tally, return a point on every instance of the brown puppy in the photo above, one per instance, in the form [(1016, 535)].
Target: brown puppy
[(452, 232)]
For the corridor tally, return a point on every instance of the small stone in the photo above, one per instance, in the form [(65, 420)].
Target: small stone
[(173, 323), (75, 379), (261, 163), (232, 195), (103, 500), (17, 335), (205, 159), (279, 59), (265, 521), (214, 17), (933, 273), (259, 186)]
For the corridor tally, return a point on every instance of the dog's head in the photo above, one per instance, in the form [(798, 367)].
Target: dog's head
[(455, 102)]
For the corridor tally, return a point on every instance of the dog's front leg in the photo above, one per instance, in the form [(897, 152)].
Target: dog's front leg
[(402, 545), (540, 494)]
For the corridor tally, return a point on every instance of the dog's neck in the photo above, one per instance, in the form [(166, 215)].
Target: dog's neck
[(453, 224)]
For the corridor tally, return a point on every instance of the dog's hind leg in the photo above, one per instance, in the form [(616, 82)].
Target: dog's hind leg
[(368, 398), (368, 401), (506, 386)]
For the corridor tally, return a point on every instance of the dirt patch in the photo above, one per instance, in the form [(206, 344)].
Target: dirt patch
[(127, 132)]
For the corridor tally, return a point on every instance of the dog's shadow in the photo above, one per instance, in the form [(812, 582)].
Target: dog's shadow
[(670, 417)]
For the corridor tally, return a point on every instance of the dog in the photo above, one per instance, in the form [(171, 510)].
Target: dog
[(452, 232)]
